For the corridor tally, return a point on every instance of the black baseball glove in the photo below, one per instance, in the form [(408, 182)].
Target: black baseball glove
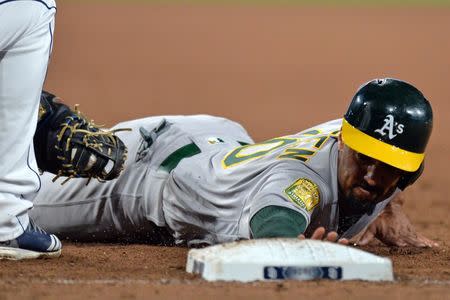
[(67, 144)]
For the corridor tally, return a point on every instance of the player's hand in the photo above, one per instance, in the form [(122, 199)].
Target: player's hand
[(320, 234), (393, 228)]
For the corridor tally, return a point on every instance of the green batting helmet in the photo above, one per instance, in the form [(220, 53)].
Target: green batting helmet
[(389, 120)]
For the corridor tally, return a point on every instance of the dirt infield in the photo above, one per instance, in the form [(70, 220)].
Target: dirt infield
[(274, 69)]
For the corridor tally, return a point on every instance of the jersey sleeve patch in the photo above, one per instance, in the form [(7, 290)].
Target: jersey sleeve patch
[(303, 193)]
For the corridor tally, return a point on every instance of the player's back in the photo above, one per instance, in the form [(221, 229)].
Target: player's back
[(210, 196)]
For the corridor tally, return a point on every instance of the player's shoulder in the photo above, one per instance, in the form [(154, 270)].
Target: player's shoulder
[(299, 188), (332, 127)]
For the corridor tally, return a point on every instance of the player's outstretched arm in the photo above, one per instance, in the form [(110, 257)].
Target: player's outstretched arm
[(393, 228), (275, 221), (67, 144)]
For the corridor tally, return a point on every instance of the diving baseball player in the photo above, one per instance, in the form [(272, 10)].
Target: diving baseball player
[(26, 35), (199, 180)]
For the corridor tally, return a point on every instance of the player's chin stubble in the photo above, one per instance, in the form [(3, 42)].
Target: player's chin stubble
[(358, 205)]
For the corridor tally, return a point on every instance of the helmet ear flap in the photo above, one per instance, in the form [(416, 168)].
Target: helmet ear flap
[(410, 177)]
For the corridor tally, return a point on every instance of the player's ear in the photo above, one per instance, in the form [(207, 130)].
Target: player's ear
[(340, 142)]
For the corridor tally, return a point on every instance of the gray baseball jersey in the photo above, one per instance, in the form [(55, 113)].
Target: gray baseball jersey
[(202, 178)]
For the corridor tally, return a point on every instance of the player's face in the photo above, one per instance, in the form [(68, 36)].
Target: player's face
[(364, 179)]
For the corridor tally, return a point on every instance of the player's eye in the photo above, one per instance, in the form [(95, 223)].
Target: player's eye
[(363, 158), (392, 170)]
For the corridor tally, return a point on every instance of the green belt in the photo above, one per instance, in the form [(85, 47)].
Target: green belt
[(174, 159)]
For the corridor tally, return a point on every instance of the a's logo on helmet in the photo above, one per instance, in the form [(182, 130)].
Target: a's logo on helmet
[(390, 125)]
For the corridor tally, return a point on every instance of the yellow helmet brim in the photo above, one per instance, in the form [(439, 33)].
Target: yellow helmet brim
[(389, 154)]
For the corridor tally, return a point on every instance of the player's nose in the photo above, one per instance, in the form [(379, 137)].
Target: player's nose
[(371, 172)]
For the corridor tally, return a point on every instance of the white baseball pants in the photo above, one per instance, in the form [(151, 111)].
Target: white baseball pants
[(26, 35)]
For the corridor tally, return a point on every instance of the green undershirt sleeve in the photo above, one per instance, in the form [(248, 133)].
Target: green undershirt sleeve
[(277, 221)]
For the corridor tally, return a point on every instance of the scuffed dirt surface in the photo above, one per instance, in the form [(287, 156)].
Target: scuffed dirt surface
[(274, 69), (141, 271)]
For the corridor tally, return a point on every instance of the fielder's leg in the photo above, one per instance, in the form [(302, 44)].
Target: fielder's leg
[(26, 35)]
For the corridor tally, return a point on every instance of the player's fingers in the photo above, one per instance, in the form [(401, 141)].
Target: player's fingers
[(400, 243), (343, 242), (301, 237), (318, 233), (432, 244), (421, 241), (427, 241), (416, 243), (366, 238), (332, 236), (414, 240)]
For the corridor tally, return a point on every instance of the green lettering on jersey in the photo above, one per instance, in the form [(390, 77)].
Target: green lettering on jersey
[(251, 152), (311, 132), (295, 153), (321, 141), (302, 148), (309, 145)]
